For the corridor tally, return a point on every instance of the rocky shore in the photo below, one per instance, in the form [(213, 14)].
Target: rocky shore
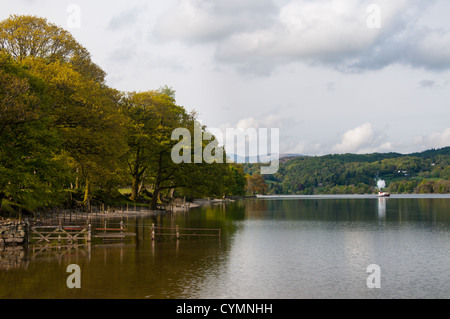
[(12, 232)]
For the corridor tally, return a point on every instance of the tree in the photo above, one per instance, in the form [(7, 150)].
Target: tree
[(237, 182), (169, 91), (88, 119), (154, 116), (17, 105), (31, 172), (84, 110), (25, 36), (256, 185)]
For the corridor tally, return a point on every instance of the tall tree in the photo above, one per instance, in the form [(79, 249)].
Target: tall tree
[(25, 36), (88, 118), (154, 116), (82, 107), (256, 185), (31, 172)]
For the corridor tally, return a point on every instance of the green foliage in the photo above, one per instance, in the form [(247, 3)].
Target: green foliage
[(63, 132), (30, 165), (256, 185), (358, 174)]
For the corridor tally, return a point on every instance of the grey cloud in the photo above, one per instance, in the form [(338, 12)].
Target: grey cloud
[(330, 86), (125, 19), (124, 54), (427, 83), (198, 21), (257, 36)]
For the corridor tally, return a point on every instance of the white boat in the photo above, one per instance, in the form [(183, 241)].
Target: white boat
[(383, 194)]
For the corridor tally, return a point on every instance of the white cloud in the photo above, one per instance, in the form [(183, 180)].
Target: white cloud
[(303, 148), (354, 139), (433, 140), (363, 140), (271, 121)]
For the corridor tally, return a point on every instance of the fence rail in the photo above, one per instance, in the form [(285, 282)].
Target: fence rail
[(48, 234), (184, 232), (74, 234)]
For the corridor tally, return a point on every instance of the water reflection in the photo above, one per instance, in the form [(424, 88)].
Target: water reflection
[(12, 258), (382, 207), (270, 248), (20, 257)]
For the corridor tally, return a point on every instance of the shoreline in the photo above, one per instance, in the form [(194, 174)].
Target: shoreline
[(77, 216)]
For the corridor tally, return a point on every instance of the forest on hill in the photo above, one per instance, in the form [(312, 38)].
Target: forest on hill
[(425, 172)]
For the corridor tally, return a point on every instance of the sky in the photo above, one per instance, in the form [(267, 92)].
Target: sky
[(334, 76)]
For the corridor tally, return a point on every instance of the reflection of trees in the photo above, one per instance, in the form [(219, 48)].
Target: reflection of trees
[(314, 209), (434, 210), (350, 209)]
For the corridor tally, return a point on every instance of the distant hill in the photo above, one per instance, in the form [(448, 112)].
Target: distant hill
[(427, 171), (257, 159), (433, 152)]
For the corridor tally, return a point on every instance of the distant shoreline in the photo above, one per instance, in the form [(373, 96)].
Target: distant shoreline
[(368, 196)]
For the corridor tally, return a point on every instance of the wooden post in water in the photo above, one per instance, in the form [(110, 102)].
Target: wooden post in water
[(89, 233), (27, 228)]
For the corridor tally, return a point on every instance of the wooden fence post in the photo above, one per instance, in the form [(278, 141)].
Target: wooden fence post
[(89, 233), (27, 230)]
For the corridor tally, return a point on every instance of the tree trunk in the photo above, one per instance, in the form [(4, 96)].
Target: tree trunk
[(134, 188), (86, 200), (141, 184), (157, 188), (155, 198), (77, 185)]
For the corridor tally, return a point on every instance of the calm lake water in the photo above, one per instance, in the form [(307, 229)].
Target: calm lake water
[(270, 248)]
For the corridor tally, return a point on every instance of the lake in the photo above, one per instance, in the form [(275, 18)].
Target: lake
[(290, 247)]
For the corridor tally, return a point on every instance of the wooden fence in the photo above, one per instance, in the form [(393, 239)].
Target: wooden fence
[(74, 234), (48, 234), (178, 232)]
